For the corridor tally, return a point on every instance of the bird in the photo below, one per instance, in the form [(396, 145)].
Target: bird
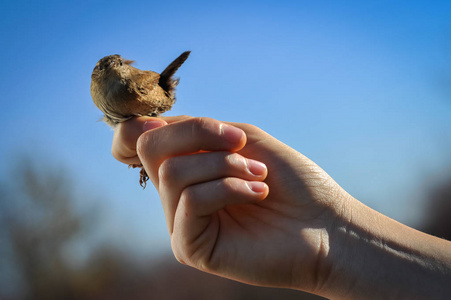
[(122, 91)]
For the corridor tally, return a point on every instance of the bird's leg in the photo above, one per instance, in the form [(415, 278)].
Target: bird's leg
[(143, 177)]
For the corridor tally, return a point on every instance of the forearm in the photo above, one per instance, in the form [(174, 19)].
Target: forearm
[(374, 257)]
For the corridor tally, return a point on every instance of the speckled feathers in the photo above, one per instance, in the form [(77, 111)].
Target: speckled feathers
[(122, 91)]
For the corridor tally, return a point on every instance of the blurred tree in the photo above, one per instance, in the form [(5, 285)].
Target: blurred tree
[(38, 225), (39, 221)]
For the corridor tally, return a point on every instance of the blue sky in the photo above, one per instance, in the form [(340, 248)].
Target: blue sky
[(360, 87)]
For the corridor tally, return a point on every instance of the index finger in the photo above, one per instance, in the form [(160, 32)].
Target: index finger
[(126, 135)]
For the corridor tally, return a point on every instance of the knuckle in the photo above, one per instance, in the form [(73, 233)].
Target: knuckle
[(142, 145), (193, 199), (145, 143), (201, 125), (233, 159), (168, 171), (188, 197)]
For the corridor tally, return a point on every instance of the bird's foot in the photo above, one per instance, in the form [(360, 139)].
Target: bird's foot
[(143, 177)]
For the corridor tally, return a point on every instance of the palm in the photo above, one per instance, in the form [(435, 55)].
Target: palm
[(235, 240)]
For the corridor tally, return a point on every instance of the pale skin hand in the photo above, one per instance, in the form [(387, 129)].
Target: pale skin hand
[(286, 225)]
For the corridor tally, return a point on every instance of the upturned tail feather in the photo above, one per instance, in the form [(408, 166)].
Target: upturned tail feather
[(166, 81)]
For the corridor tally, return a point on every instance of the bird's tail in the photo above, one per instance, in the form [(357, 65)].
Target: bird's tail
[(166, 81)]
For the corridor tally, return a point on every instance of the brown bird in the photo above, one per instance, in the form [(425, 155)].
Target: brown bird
[(122, 91)]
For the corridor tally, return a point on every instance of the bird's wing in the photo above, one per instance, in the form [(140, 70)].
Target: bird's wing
[(152, 98), (144, 81)]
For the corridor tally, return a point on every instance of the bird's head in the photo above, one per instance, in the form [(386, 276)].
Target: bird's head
[(109, 64)]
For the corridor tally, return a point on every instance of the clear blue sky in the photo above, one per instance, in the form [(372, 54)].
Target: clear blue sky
[(361, 87)]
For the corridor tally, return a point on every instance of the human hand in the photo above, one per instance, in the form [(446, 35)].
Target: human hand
[(215, 196)]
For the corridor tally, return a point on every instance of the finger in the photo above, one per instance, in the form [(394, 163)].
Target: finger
[(127, 133), (190, 169), (199, 202), (186, 137), (177, 173)]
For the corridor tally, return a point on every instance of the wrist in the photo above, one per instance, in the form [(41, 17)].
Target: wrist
[(372, 257)]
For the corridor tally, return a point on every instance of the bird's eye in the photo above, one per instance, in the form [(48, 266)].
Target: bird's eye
[(120, 62), (100, 67)]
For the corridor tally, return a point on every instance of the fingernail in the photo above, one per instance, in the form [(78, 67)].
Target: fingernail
[(257, 186), (231, 133), (255, 167), (149, 125)]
